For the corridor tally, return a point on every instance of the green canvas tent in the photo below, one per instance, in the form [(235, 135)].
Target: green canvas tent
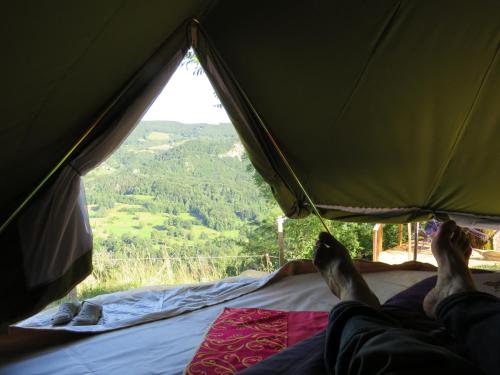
[(386, 111)]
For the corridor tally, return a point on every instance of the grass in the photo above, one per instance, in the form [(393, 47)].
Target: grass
[(141, 197), (113, 273), (185, 216), (491, 267), (231, 233), (127, 219), (133, 220), (158, 136), (197, 230)]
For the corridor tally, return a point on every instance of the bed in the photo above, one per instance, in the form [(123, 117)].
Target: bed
[(165, 344)]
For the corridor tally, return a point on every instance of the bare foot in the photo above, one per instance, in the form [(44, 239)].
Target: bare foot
[(334, 263), (452, 250)]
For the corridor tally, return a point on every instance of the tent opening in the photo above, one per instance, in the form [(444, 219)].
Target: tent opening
[(176, 203), (179, 202)]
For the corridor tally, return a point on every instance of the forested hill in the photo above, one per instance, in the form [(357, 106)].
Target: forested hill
[(181, 184)]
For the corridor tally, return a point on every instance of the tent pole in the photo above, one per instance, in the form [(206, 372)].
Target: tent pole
[(415, 249), (408, 226), (281, 240)]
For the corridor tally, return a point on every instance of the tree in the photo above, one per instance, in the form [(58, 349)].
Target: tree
[(301, 234)]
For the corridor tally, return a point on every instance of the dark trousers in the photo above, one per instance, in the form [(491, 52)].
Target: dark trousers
[(464, 340)]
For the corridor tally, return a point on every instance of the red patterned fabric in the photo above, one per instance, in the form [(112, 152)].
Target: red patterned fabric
[(240, 338)]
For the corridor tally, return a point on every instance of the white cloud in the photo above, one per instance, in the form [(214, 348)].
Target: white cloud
[(187, 98)]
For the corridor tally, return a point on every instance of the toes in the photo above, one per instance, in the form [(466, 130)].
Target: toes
[(326, 237), (446, 231), (465, 247), (463, 240), (457, 236), (468, 253), (325, 250), (447, 228), (320, 254)]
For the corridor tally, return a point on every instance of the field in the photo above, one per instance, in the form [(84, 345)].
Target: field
[(114, 274)]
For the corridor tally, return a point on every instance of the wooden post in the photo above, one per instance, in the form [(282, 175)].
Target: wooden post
[(415, 249), (73, 295), (378, 238), (410, 254), (168, 266), (281, 240), (268, 263), (400, 237)]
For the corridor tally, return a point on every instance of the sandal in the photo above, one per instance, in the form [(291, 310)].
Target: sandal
[(89, 314), (65, 313)]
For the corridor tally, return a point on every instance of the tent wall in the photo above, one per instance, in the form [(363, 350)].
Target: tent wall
[(63, 62), (387, 111), (248, 125), (51, 240), (384, 108)]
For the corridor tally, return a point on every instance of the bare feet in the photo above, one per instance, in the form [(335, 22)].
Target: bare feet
[(452, 250), (334, 263)]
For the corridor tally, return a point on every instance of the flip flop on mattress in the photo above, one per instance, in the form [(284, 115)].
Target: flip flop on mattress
[(65, 313), (89, 314)]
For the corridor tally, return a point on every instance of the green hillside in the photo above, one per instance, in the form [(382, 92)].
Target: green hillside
[(181, 203), (180, 185)]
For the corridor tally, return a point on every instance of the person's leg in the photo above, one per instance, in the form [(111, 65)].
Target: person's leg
[(472, 318), (363, 340), (334, 263)]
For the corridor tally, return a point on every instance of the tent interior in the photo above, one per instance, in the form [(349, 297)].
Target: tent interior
[(382, 111)]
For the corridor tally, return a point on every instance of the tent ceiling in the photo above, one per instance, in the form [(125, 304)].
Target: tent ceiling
[(62, 62), (380, 104)]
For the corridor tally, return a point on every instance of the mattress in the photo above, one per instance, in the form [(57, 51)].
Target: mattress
[(166, 346)]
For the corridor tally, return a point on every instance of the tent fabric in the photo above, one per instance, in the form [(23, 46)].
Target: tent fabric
[(384, 108), (247, 124), (62, 65), (54, 229), (379, 105), (387, 110)]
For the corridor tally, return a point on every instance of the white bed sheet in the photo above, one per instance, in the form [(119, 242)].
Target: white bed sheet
[(166, 346)]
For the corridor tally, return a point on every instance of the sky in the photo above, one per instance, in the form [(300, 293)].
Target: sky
[(187, 98)]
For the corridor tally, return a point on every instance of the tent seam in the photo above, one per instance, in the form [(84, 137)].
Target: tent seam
[(463, 127), (382, 35), (382, 210), (387, 25)]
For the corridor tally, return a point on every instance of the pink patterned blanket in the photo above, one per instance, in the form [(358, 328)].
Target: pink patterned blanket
[(240, 338)]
